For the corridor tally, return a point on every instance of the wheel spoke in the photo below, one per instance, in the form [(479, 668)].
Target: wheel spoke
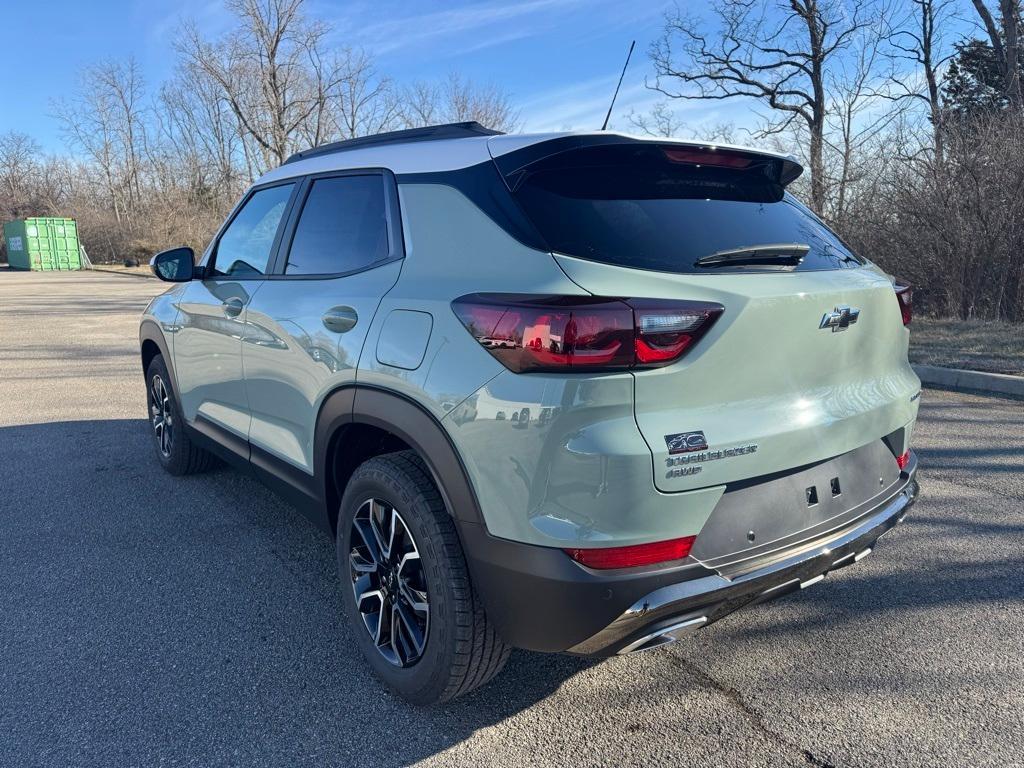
[(407, 628), (363, 530), (378, 610), (378, 625), (379, 519), (417, 598), (361, 564), (365, 589)]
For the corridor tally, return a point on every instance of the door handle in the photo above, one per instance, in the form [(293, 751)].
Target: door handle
[(233, 307), (340, 319)]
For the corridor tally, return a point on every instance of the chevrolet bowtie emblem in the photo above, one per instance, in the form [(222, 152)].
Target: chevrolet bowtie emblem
[(841, 319)]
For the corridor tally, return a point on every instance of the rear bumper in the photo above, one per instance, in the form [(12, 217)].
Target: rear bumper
[(541, 600)]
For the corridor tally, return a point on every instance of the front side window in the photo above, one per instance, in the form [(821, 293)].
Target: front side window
[(245, 247), (342, 228)]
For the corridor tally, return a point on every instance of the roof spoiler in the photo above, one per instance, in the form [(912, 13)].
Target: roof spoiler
[(514, 165)]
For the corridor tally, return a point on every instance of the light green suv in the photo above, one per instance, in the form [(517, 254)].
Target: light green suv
[(576, 392)]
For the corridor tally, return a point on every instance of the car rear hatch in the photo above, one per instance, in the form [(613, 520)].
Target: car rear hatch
[(807, 359)]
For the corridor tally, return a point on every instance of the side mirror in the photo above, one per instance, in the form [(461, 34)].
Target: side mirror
[(175, 266)]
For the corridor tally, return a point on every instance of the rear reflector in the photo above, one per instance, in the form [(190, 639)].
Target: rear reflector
[(905, 296), (630, 557), (577, 333), (902, 461)]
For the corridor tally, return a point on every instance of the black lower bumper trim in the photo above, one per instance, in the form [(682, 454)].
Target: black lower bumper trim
[(541, 600)]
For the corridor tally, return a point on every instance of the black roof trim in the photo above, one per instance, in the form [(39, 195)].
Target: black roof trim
[(429, 133)]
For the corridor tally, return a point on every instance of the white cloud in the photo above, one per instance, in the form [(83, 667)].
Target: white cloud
[(480, 24)]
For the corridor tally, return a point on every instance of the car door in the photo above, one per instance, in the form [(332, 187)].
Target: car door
[(212, 317), (307, 324)]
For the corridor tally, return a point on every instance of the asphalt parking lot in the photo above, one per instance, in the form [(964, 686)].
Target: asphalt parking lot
[(148, 620)]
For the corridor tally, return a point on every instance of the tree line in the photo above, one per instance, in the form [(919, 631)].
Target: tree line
[(908, 116)]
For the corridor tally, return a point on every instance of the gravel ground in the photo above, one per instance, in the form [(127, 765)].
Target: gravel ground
[(148, 620)]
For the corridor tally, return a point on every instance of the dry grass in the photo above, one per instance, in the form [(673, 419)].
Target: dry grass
[(971, 344)]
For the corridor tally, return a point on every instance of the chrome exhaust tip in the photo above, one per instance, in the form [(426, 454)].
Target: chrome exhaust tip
[(665, 635)]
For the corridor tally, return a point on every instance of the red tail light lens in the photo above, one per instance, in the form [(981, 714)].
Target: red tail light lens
[(556, 333), (630, 557), (665, 330), (905, 296), (902, 461)]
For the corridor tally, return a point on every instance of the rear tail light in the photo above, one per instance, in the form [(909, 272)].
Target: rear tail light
[(905, 296), (584, 333), (903, 460), (632, 556)]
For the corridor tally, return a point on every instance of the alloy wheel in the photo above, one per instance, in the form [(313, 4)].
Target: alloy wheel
[(161, 415), (388, 583)]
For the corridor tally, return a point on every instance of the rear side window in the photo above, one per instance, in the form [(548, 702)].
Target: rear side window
[(663, 208), (244, 248), (342, 228)]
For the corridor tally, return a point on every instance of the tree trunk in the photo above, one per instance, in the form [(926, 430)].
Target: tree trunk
[(1010, 11), (931, 77), (818, 189)]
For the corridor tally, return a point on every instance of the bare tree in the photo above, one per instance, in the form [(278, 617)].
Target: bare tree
[(106, 119), (858, 116), (197, 125), (19, 171), (367, 103), (659, 121), (487, 104), (272, 70), (420, 104), (1004, 37), (917, 38), (778, 53), (458, 99)]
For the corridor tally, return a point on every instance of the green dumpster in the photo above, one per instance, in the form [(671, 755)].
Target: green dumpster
[(42, 243)]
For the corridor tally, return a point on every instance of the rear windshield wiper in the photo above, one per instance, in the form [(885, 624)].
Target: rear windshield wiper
[(782, 254)]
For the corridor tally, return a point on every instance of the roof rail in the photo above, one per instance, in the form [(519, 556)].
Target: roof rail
[(428, 133)]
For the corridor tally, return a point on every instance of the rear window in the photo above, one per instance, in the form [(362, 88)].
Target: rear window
[(664, 207)]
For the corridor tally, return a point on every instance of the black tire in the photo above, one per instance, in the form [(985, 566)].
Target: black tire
[(175, 452), (462, 651)]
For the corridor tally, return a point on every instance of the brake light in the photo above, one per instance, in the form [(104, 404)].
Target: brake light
[(556, 333), (903, 460), (905, 296), (712, 157), (635, 555)]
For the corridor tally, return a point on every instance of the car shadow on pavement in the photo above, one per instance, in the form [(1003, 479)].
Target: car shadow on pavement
[(152, 619)]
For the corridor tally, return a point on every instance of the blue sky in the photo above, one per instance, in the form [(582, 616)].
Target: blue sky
[(559, 59)]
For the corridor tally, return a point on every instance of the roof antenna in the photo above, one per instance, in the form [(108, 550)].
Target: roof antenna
[(604, 125)]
